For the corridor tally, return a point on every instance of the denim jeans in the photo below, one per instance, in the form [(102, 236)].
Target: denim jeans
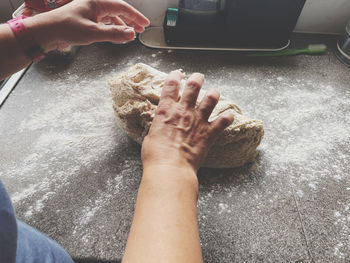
[(21, 243)]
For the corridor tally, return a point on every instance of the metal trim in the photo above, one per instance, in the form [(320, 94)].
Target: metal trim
[(10, 85)]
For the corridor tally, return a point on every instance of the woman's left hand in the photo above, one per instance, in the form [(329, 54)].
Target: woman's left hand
[(81, 22)]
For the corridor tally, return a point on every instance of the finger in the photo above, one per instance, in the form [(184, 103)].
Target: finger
[(121, 8), (138, 29), (118, 21), (172, 86), (208, 103), (112, 20), (107, 20), (221, 123), (114, 33), (126, 19), (191, 92)]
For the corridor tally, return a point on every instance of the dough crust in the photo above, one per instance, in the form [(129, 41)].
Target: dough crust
[(136, 95)]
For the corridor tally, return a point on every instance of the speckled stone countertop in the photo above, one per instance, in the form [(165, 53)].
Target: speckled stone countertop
[(72, 173)]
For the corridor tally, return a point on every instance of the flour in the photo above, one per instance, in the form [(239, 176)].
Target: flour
[(307, 142), (88, 212), (76, 129), (342, 220), (302, 124), (307, 139), (223, 208)]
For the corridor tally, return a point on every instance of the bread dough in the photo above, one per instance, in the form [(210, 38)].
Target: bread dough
[(136, 95)]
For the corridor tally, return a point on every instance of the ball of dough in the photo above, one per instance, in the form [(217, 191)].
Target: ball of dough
[(136, 94)]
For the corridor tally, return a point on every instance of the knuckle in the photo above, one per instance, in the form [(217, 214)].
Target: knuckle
[(212, 98), (225, 121), (187, 117), (172, 83), (164, 106), (94, 7), (177, 116), (169, 89), (161, 111), (92, 4), (181, 110), (203, 131), (194, 85)]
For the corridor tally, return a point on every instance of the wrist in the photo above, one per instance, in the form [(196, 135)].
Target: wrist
[(166, 154), (42, 29), (180, 172), (172, 163), (170, 180)]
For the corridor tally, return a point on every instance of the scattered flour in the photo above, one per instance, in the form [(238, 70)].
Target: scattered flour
[(76, 129), (342, 221), (304, 124), (89, 211), (307, 140), (222, 208), (307, 137)]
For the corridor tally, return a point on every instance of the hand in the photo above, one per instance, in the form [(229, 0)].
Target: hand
[(180, 134), (81, 23)]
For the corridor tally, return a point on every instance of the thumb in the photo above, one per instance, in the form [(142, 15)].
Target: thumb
[(114, 33)]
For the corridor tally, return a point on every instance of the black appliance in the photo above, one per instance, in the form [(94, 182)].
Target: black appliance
[(232, 23)]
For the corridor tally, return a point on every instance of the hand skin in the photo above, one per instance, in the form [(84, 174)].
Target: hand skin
[(77, 23), (164, 227)]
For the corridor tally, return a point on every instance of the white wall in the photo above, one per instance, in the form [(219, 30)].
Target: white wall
[(318, 16), (153, 9), (325, 16)]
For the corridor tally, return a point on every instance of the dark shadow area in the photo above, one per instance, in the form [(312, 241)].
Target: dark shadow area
[(93, 260), (57, 61)]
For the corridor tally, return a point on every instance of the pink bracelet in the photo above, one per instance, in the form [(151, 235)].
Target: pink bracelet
[(32, 50)]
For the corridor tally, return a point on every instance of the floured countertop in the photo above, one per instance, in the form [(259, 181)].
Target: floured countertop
[(73, 174)]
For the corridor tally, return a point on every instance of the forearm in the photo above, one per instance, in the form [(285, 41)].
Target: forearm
[(12, 56), (165, 225)]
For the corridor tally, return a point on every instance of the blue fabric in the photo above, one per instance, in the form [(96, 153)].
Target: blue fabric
[(20, 243), (8, 228), (35, 247)]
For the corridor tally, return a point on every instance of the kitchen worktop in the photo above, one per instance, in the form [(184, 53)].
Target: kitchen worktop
[(72, 173)]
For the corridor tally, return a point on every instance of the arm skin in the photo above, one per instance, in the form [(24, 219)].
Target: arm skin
[(77, 23), (165, 227), (12, 57), (165, 222)]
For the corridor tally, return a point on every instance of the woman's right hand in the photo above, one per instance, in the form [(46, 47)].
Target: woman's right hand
[(181, 135), (165, 226)]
